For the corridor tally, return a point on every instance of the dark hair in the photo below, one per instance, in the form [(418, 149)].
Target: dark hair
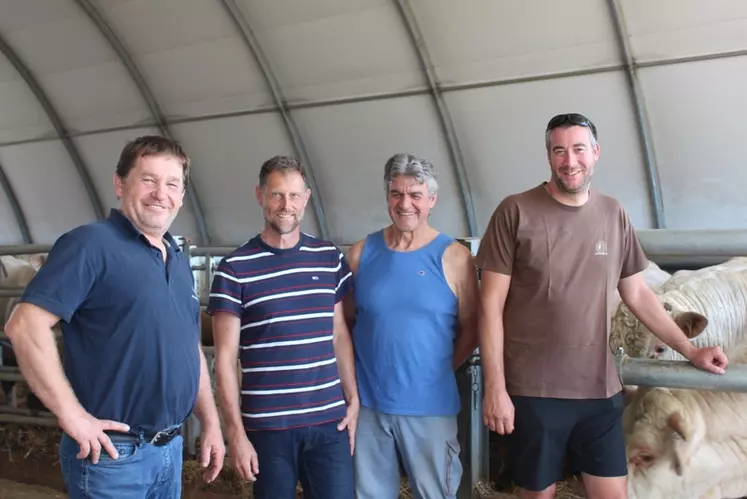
[(568, 120), (281, 164), (152, 145)]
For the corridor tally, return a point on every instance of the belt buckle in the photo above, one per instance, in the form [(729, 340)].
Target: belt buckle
[(163, 437)]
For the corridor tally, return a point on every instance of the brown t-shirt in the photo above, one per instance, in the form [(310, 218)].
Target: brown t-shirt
[(565, 263)]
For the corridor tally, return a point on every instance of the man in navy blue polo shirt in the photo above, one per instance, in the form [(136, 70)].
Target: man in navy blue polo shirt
[(133, 369), (276, 303)]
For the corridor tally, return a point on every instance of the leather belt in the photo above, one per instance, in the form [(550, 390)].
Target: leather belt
[(157, 439), (162, 438)]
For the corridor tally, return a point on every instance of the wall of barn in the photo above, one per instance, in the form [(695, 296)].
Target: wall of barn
[(355, 90)]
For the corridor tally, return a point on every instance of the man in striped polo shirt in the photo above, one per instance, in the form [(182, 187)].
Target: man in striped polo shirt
[(276, 303)]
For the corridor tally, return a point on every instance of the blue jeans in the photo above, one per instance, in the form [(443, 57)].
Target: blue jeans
[(428, 449), (317, 455), (142, 471)]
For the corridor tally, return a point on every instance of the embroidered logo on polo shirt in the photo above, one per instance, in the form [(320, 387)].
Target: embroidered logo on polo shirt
[(315, 277), (600, 248)]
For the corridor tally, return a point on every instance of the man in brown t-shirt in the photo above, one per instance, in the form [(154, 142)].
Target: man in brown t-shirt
[(551, 259)]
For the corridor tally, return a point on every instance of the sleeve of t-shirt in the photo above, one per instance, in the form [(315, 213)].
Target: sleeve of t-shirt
[(64, 281), (225, 291), (344, 279), (634, 259), (498, 244)]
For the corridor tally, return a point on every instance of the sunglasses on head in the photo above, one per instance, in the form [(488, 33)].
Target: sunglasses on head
[(574, 119)]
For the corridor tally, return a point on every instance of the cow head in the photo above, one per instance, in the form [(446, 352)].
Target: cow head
[(660, 432), (636, 340)]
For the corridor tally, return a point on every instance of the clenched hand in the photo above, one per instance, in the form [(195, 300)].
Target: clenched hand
[(498, 412)]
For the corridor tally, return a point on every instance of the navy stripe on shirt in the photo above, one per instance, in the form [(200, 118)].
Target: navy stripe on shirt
[(285, 299)]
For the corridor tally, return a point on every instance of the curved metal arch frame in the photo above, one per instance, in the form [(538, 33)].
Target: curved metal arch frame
[(57, 123), (644, 126), (136, 75), (251, 42), (15, 206), (408, 17)]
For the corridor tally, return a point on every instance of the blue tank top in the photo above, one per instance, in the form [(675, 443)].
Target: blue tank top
[(405, 326)]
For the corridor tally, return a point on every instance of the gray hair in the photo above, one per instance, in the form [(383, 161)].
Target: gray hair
[(412, 166)]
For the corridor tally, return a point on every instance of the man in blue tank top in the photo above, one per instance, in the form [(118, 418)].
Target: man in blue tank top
[(414, 313)]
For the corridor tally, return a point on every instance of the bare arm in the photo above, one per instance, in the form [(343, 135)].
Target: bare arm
[(226, 334), (353, 258), (30, 331), (492, 300), (644, 304), (343, 346), (459, 266)]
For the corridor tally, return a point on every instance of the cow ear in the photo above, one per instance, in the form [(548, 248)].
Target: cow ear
[(677, 424), (686, 441), (37, 260), (691, 323)]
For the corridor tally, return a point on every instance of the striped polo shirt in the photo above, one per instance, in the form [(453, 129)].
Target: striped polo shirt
[(286, 300)]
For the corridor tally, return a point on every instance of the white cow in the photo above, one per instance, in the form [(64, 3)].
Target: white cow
[(653, 275), (717, 471), (17, 273), (687, 443), (709, 305)]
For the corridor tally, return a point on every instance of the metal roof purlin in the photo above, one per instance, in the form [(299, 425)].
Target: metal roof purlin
[(155, 110), (57, 123), (247, 35), (452, 142), (644, 126)]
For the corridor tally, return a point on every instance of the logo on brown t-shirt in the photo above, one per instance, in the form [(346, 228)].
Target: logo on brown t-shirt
[(600, 248)]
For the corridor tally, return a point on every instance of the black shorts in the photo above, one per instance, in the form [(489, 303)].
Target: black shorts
[(587, 433)]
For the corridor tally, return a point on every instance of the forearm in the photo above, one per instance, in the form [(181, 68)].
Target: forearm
[(229, 393), (205, 408), (491, 350), (647, 308), (39, 361), (346, 366)]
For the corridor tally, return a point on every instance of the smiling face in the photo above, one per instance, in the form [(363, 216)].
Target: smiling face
[(409, 203), (283, 200), (152, 192), (572, 158)]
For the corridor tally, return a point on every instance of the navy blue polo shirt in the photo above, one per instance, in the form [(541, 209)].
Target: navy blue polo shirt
[(129, 322)]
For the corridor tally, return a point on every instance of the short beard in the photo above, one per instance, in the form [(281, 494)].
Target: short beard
[(274, 226), (567, 190)]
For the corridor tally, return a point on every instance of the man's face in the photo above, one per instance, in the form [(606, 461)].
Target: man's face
[(283, 200), (572, 158), (152, 192), (408, 203)]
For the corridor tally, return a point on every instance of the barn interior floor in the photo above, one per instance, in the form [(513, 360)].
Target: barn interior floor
[(35, 477), (28, 460)]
